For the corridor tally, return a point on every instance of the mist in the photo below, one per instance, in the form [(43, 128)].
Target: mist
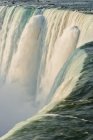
[(15, 106)]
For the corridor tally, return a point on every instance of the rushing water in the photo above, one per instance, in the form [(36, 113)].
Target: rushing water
[(45, 62)]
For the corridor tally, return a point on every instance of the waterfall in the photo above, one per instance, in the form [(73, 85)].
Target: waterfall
[(57, 22), (25, 63), (13, 24), (34, 48), (63, 48)]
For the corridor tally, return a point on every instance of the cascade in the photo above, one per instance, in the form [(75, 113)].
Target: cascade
[(35, 48), (13, 24), (57, 22), (25, 63), (63, 48)]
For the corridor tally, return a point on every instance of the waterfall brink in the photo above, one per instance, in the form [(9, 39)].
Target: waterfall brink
[(40, 60), (58, 20)]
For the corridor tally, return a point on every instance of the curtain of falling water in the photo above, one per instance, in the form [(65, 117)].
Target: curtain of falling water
[(57, 21), (15, 46)]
